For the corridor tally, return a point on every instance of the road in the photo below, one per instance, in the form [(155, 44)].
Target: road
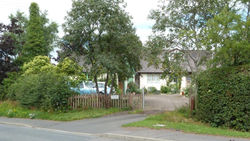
[(14, 133), (91, 129)]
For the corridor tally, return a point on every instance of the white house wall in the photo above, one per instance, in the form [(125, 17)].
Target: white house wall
[(183, 83), (145, 84)]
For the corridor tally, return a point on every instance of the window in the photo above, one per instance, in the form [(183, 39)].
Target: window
[(152, 78), (189, 80)]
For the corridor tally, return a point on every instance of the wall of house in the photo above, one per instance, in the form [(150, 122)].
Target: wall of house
[(185, 82), (151, 80)]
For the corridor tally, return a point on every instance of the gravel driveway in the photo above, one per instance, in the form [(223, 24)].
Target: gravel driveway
[(165, 102)]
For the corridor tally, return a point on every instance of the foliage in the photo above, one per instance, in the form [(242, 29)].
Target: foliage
[(180, 120), (187, 91), (104, 38), (37, 65), (7, 82), (177, 34), (227, 35), (13, 109), (165, 89), (48, 91), (224, 92), (133, 88), (35, 41), (8, 46), (67, 67), (70, 68), (38, 36), (153, 90), (174, 88)]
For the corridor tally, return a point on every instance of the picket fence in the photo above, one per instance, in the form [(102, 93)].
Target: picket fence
[(106, 101)]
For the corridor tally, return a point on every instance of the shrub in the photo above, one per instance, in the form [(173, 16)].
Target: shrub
[(47, 91), (153, 90), (224, 97), (174, 88), (6, 83), (133, 88), (165, 89)]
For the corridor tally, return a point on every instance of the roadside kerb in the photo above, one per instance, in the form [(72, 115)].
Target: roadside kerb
[(130, 138)]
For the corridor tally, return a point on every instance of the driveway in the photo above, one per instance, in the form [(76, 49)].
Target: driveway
[(165, 102)]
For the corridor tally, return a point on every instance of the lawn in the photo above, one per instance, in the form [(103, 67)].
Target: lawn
[(180, 120), (12, 109)]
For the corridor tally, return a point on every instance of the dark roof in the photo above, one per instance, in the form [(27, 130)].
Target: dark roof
[(187, 65), (149, 69)]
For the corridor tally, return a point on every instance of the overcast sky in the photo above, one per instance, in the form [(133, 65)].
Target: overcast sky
[(57, 10)]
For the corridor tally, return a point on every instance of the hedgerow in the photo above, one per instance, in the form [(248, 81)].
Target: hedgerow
[(224, 97)]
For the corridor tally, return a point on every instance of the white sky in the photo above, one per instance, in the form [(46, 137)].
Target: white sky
[(57, 10)]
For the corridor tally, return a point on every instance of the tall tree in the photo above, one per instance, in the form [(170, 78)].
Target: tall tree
[(228, 36), (39, 34), (50, 28), (100, 31), (8, 46), (178, 30)]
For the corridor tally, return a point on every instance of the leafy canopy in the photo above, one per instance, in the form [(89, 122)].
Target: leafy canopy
[(8, 47), (100, 35), (67, 68)]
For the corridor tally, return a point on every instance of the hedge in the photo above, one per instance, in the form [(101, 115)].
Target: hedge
[(224, 97), (47, 91)]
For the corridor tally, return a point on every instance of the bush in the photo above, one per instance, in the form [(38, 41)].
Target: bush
[(165, 89), (174, 88), (188, 90), (133, 88), (153, 90), (47, 91), (224, 93), (6, 83)]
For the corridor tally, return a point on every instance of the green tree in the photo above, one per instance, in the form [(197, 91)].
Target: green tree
[(178, 32), (39, 34), (66, 68), (101, 33), (228, 36), (38, 65)]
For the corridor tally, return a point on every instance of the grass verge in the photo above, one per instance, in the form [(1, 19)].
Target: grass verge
[(180, 120), (13, 110)]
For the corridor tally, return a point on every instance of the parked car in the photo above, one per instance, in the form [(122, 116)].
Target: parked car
[(89, 87)]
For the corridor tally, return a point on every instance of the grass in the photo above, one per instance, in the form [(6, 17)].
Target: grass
[(180, 120), (12, 109)]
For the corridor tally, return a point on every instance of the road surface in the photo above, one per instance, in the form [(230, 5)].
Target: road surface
[(19, 133)]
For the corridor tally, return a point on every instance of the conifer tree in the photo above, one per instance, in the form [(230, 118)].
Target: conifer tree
[(35, 43)]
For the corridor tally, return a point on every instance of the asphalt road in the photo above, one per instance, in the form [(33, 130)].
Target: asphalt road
[(18, 133)]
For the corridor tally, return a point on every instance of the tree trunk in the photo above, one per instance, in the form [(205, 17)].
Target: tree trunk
[(106, 84), (112, 84), (96, 84)]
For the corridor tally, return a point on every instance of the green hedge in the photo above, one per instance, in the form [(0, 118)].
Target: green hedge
[(165, 89), (224, 97), (47, 91)]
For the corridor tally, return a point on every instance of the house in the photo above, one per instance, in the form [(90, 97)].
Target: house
[(150, 76)]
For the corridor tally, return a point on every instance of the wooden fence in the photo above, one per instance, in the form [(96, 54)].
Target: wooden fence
[(106, 101)]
